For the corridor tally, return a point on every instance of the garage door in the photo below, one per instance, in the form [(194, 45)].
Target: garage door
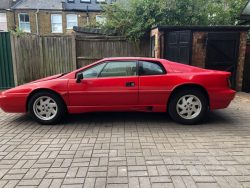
[(222, 52)]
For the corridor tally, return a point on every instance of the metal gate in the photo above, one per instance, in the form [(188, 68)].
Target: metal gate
[(222, 53), (6, 68), (178, 46)]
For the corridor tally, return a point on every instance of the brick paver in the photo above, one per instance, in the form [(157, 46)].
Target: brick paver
[(127, 150)]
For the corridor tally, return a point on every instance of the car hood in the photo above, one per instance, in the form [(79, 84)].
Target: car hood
[(47, 78), (26, 88)]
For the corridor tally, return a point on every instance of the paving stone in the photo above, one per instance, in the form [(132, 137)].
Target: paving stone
[(45, 183), (134, 182), (70, 181), (34, 182)]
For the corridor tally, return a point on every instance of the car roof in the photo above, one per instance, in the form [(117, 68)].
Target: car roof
[(132, 58)]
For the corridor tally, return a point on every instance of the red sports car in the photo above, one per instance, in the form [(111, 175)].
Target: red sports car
[(124, 84)]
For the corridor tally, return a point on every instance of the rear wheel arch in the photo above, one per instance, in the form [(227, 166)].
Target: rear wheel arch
[(189, 86), (44, 90)]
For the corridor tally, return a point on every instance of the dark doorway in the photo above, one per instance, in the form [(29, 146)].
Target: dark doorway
[(178, 46), (222, 53), (246, 74)]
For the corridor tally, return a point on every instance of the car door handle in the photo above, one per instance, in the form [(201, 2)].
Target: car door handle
[(130, 84)]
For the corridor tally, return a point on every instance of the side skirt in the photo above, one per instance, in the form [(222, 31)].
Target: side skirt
[(83, 109)]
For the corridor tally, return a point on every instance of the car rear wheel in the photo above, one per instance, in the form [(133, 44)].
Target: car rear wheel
[(46, 108), (188, 106)]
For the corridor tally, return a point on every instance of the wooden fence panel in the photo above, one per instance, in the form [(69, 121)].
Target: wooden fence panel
[(40, 56), (90, 49), (28, 61), (57, 55)]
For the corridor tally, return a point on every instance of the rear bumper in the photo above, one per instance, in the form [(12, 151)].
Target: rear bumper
[(220, 99), (13, 103)]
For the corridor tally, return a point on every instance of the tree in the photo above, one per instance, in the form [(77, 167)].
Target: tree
[(134, 18)]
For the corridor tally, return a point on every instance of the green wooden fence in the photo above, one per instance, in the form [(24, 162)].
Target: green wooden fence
[(6, 67)]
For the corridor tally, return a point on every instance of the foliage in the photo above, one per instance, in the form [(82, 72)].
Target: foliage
[(134, 18), (18, 32)]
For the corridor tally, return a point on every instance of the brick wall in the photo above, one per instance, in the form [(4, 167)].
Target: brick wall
[(159, 44), (241, 60), (199, 49), (10, 20)]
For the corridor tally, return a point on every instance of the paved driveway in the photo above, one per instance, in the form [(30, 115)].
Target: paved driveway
[(127, 150)]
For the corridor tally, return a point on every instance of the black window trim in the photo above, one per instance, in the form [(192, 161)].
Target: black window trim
[(106, 62), (81, 71), (155, 62), (137, 67), (88, 2)]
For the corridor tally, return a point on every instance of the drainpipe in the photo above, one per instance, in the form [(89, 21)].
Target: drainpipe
[(87, 15), (37, 25)]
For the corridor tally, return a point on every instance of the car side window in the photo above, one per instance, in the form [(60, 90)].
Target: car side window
[(118, 69), (93, 72), (150, 68)]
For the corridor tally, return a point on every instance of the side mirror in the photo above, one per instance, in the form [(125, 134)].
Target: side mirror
[(79, 77)]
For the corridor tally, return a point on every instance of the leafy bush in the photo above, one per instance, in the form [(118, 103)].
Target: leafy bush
[(134, 18)]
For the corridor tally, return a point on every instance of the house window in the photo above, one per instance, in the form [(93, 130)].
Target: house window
[(101, 1), (85, 1), (100, 19), (71, 1), (3, 22), (56, 23), (24, 22), (71, 21)]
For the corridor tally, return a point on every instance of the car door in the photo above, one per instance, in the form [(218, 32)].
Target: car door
[(109, 84), (153, 85)]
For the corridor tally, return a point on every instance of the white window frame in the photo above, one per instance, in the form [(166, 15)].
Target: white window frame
[(85, 1), (100, 17), (21, 22), (61, 28), (101, 1), (68, 21), (3, 22)]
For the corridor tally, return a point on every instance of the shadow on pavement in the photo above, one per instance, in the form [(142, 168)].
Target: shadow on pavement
[(108, 118)]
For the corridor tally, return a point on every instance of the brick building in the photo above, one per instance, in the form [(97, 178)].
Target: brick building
[(212, 47), (50, 17), (6, 15)]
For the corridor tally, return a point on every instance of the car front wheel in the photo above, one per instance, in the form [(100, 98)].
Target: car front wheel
[(188, 106), (46, 108)]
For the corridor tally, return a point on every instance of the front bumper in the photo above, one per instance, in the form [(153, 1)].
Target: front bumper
[(220, 99), (13, 103)]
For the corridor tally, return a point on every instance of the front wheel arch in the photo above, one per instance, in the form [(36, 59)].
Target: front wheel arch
[(46, 90)]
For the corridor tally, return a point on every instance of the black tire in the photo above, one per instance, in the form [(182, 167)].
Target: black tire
[(172, 107), (61, 109)]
